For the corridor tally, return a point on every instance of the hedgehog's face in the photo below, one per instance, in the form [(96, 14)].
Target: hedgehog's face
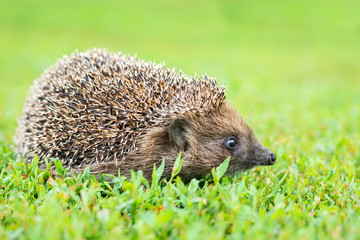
[(246, 152), (208, 140)]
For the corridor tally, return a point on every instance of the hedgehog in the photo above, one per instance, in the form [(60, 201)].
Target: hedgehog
[(109, 111)]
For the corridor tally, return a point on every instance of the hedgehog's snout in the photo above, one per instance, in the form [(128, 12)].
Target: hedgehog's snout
[(271, 159), (263, 156), (268, 158)]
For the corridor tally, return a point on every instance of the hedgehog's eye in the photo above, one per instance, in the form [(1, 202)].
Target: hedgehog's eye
[(231, 143)]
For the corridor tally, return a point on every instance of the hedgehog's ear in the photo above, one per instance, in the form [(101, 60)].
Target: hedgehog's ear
[(177, 134)]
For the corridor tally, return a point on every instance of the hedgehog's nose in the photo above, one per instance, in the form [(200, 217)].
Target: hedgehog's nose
[(271, 159)]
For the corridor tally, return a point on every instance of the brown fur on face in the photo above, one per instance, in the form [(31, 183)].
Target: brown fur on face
[(201, 139)]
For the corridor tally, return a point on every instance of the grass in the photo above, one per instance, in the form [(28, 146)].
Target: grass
[(292, 70)]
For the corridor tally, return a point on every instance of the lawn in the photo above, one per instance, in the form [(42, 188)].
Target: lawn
[(291, 68)]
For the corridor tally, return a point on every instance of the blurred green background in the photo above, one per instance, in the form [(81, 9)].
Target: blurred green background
[(292, 68)]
